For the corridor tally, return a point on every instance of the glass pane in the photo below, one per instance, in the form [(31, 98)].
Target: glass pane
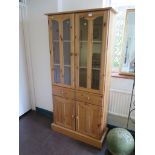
[(56, 53), (83, 77), (57, 73), (95, 79), (96, 53), (97, 28), (66, 29), (67, 75), (83, 54), (128, 65), (55, 30), (96, 57), (66, 51), (83, 29)]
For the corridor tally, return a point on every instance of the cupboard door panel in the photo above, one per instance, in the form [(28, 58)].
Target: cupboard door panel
[(64, 112), (58, 111), (82, 51), (96, 52), (61, 31), (88, 120), (68, 49), (90, 43)]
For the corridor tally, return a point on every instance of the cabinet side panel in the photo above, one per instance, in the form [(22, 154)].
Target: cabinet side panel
[(110, 21), (51, 52)]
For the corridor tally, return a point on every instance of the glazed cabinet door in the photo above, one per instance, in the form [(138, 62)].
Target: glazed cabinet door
[(61, 30), (64, 112), (90, 50), (88, 120)]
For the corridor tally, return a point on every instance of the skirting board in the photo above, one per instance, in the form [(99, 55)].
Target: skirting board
[(79, 136), (25, 114), (47, 113)]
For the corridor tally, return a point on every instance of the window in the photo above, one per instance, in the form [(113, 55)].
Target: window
[(119, 43), (128, 53), (118, 39), (120, 6)]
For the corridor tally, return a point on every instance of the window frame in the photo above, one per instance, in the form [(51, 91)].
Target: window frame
[(124, 41)]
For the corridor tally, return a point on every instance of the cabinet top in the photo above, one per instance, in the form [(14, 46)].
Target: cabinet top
[(78, 11)]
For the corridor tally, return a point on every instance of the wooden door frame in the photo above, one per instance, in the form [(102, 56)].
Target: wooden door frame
[(59, 19), (90, 107), (64, 102), (89, 58)]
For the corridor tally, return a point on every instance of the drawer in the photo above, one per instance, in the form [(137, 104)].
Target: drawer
[(63, 92), (89, 98)]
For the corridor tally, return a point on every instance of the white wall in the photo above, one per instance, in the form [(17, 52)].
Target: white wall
[(121, 84), (124, 85), (39, 47), (66, 5), (39, 43), (24, 96)]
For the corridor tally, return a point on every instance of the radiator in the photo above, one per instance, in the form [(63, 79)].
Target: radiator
[(119, 103)]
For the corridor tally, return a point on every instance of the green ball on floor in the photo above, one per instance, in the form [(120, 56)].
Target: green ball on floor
[(120, 142)]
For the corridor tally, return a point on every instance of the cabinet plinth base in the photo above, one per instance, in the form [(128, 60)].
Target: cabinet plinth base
[(81, 137)]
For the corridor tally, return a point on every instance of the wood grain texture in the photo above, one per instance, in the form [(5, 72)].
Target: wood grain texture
[(78, 136), (88, 119), (60, 19), (63, 92), (82, 112), (103, 52), (78, 11), (64, 112), (110, 20), (51, 49), (91, 98), (72, 51)]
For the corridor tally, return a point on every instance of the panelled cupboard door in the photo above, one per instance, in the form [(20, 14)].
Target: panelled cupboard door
[(88, 120), (90, 47), (61, 30), (64, 112)]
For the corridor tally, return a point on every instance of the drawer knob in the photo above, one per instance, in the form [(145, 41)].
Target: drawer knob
[(88, 98)]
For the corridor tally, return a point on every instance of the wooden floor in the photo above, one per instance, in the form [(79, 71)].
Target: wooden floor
[(37, 138)]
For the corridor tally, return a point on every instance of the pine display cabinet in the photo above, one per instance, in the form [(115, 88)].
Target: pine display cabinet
[(80, 55)]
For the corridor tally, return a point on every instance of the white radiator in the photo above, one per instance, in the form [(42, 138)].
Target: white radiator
[(119, 103)]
